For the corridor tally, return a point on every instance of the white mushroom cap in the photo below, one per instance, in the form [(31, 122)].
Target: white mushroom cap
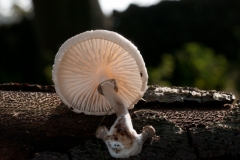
[(87, 59)]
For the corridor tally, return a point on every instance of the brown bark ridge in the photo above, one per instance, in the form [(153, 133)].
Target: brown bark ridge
[(37, 125)]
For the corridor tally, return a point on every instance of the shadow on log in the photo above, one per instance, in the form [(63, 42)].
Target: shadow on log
[(37, 125)]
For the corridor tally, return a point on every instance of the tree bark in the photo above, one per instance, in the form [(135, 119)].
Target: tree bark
[(37, 125)]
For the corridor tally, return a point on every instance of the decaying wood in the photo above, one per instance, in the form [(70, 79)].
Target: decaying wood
[(186, 94), (38, 125)]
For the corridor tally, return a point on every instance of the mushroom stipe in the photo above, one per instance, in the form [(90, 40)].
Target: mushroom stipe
[(99, 70), (111, 81)]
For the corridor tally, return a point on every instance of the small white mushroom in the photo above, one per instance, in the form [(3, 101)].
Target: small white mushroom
[(86, 60), (98, 70)]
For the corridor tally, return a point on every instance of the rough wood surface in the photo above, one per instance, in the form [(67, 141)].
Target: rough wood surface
[(186, 94), (37, 125)]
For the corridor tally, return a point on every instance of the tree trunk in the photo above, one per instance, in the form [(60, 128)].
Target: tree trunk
[(191, 123)]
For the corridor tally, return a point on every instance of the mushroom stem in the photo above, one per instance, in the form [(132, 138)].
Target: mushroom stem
[(122, 140), (109, 91)]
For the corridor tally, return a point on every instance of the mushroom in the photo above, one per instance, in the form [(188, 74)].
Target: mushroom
[(99, 70)]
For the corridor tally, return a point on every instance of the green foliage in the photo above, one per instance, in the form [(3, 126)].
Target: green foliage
[(48, 58), (201, 67), (162, 74), (197, 65), (47, 71)]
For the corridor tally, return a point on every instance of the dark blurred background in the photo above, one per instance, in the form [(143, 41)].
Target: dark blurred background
[(184, 43)]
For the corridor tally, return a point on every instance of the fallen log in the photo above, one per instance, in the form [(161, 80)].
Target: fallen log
[(37, 125)]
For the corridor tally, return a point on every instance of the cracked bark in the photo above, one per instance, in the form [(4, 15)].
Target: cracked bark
[(37, 125)]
